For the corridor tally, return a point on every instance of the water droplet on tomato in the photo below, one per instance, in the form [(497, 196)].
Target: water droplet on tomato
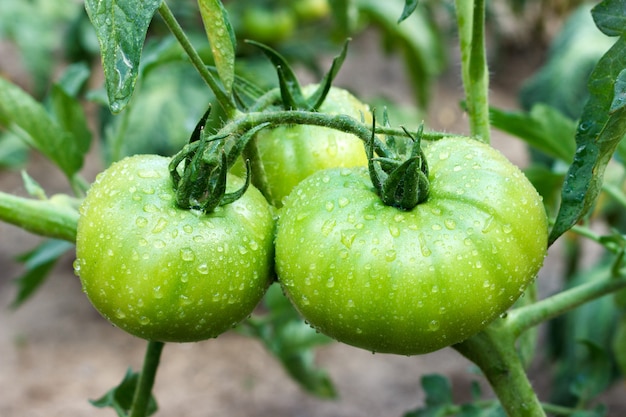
[(433, 325), (159, 244), (160, 225), (390, 255), (329, 206), (150, 208), (328, 226), (450, 224), (148, 173), (347, 237), (394, 230), (343, 202), (143, 320), (141, 221), (120, 314), (203, 269)]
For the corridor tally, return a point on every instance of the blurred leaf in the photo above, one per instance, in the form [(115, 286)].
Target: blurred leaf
[(562, 82), (594, 321), (610, 17), (38, 264), (33, 188), (417, 38), (438, 397), (29, 120), (544, 128), (619, 345), (13, 151), (120, 398), (409, 8), (36, 27), (599, 411), (345, 14), (222, 39), (596, 374), (598, 135), (292, 342), (160, 119), (121, 26)]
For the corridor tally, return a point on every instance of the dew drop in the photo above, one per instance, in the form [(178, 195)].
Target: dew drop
[(329, 206), (143, 320), (343, 201), (450, 224), (161, 224), (150, 208), (148, 173), (159, 244), (120, 314), (347, 238), (141, 221), (390, 255), (433, 325), (203, 269), (394, 230), (187, 254), (328, 226)]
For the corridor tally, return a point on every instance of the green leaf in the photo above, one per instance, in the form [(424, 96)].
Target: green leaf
[(544, 128), (290, 89), (13, 151), (27, 118), (574, 52), (222, 39), (619, 345), (610, 17), (598, 135), (38, 264), (121, 27), (120, 398), (409, 7), (292, 342), (595, 376)]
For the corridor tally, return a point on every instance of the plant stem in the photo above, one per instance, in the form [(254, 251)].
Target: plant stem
[(475, 73), (143, 391), (54, 217), (523, 318), (493, 351), (222, 97)]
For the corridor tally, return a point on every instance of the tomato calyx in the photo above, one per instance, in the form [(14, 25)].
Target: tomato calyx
[(291, 93), (399, 177), (206, 159)]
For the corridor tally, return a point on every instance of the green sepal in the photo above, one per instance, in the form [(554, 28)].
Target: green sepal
[(400, 181), (207, 160), (290, 88)]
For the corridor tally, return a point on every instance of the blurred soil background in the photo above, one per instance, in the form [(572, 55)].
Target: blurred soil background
[(56, 352)]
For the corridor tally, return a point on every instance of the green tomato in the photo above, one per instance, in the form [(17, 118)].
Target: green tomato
[(268, 26), (166, 274), (411, 282), (291, 153)]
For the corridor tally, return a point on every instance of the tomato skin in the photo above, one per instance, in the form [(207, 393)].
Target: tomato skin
[(412, 282), (166, 274), (291, 153)]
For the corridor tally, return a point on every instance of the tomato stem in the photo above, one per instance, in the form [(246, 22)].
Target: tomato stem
[(523, 318), (493, 351), (143, 391), (474, 68), (56, 217), (223, 98)]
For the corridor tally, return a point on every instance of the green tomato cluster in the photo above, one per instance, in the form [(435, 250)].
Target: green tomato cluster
[(366, 274)]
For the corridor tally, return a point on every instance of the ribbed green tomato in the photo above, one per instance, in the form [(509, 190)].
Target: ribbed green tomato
[(292, 153), (411, 282), (166, 274)]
